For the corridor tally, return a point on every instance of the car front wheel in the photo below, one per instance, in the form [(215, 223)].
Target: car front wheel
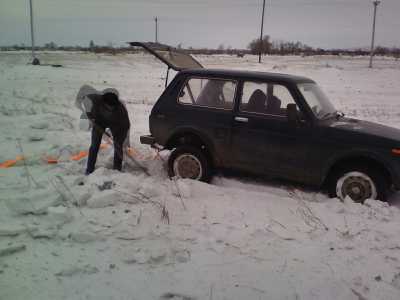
[(359, 183), (189, 162)]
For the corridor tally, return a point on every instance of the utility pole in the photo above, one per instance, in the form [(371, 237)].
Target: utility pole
[(261, 34), (35, 61), (375, 3), (156, 20)]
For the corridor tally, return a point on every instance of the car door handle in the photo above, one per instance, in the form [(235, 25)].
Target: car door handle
[(241, 119)]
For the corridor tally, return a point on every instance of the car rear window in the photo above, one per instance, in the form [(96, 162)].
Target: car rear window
[(214, 93)]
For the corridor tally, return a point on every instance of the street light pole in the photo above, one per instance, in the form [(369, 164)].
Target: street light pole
[(375, 3), (35, 61), (261, 34), (156, 20)]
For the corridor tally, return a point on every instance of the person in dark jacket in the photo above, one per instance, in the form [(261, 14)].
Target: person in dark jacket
[(107, 112)]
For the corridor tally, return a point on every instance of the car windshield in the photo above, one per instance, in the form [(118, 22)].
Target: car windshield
[(317, 100)]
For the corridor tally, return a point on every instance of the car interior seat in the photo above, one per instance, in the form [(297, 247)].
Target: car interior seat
[(210, 95), (273, 102), (257, 101), (274, 105)]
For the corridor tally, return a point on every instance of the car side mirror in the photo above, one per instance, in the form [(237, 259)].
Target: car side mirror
[(292, 113)]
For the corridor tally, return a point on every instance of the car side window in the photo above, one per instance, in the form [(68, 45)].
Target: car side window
[(254, 97), (216, 93), (265, 98)]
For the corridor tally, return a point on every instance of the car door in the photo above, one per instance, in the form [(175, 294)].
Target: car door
[(205, 106), (262, 139)]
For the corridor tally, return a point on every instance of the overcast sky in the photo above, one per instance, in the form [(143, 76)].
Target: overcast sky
[(200, 23)]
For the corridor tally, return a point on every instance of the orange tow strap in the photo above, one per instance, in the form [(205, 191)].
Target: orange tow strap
[(11, 162), (79, 156), (76, 157)]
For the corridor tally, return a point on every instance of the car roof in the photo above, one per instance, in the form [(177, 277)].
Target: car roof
[(247, 75)]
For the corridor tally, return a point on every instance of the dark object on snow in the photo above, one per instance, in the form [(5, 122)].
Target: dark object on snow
[(107, 112), (107, 185), (172, 296), (270, 124), (36, 61)]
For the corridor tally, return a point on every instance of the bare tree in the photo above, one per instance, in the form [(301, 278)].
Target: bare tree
[(256, 46)]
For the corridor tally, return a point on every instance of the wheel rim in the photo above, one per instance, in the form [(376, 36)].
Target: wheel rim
[(188, 166), (358, 186)]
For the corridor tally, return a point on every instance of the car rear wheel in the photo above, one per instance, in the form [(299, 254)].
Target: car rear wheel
[(189, 162), (359, 183)]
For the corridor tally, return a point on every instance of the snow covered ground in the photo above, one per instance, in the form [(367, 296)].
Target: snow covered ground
[(126, 235)]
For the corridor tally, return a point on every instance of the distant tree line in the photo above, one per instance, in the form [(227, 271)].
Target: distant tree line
[(51, 46), (266, 46)]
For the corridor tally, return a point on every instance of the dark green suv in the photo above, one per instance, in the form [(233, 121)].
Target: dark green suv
[(278, 125)]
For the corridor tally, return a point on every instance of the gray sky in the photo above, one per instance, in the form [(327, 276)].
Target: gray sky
[(200, 23)]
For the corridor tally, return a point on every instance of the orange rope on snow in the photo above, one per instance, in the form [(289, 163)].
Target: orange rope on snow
[(78, 156), (51, 160), (48, 159), (11, 162)]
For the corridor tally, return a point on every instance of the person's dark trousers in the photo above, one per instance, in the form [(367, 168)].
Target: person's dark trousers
[(119, 136), (97, 134)]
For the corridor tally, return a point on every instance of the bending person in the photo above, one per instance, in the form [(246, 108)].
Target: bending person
[(105, 111)]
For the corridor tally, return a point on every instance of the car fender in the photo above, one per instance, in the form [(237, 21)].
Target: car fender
[(197, 132), (358, 154)]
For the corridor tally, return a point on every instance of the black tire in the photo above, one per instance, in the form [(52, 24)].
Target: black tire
[(194, 156), (377, 178)]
